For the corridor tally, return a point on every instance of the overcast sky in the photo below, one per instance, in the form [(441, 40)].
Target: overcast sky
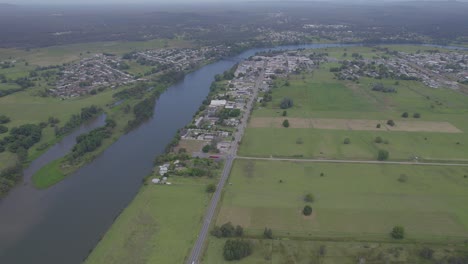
[(80, 2)]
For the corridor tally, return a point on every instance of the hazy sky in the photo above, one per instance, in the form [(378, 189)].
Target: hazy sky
[(157, 1)]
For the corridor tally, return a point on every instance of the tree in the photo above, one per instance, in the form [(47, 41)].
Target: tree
[(378, 140), (285, 123), (404, 115), (227, 230), (239, 231), (206, 148), (285, 113), (286, 103), (398, 232), (417, 115), (382, 155), (378, 126), (210, 188), (217, 232), (236, 249), (307, 210), (390, 122), (268, 233), (346, 141), (310, 198)]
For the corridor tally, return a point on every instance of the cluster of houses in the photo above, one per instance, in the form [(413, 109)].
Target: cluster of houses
[(181, 59), (435, 70), (89, 74)]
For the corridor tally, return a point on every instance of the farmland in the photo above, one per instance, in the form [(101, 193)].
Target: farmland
[(355, 205), (326, 111)]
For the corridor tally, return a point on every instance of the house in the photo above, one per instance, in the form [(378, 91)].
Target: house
[(218, 103)]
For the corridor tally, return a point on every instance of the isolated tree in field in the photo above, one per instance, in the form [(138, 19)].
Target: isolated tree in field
[(268, 233), (398, 232), (347, 141), (390, 122), (286, 103), (378, 126), (417, 115), (286, 123), (378, 140), (382, 155), (285, 113), (307, 210), (404, 115), (236, 249), (310, 198), (210, 188)]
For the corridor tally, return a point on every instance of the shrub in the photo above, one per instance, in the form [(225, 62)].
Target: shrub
[(378, 126), (307, 210), (210, 188), (417, 115), (398, 232), (285, 113), (391, 122), (382, 155), (426, 253), (404, 115), (378, 140), (236, 249), (346, 141), (286, 123), (3, 129), (4, 119), (403, 178), (299, 141), (310, 198)]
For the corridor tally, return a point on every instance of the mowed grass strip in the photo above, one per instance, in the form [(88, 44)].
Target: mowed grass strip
[(159, 226), (329, 144), (354, 124), (352, 200)]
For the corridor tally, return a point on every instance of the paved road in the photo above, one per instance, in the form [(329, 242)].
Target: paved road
[(358, 161), (197, 249)]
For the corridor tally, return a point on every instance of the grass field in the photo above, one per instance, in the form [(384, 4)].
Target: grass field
[(318, 96), (308, 252), (358, 201), (159, 226)]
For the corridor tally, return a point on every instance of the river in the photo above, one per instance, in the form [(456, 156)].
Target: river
[(62, 224)]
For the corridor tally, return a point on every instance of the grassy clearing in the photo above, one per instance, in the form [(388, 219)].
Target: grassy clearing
[(358, 201), (7, 159), (159, 226), (48, 175), (306, 252)]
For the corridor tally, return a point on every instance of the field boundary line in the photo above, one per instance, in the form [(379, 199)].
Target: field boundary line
[(355, 161)]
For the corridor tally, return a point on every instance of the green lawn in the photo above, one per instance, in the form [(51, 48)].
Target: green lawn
[(159, 226), (307, 252), (352, 200), (321, 143)]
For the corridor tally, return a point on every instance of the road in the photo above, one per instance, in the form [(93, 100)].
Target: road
[(358, 161), (197, 249)]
